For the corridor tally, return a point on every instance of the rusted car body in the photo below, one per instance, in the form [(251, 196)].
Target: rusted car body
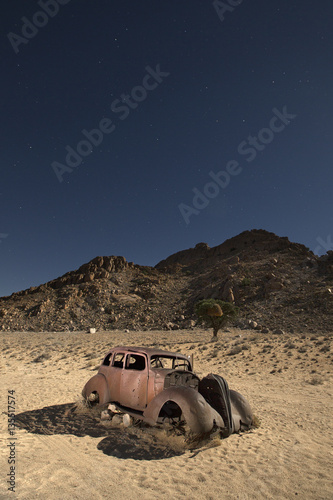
[(158, 386)]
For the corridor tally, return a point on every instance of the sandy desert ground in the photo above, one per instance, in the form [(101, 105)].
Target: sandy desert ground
[(64, 451)]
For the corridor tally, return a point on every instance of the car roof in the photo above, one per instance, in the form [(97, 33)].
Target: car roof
[(151, 351)]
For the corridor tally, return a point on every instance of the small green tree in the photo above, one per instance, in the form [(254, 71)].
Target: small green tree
[(215, 313)]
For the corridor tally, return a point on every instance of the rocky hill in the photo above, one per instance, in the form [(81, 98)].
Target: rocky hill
[(276, 284)]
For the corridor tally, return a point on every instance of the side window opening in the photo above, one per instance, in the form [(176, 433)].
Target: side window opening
[(135, 362), (107, 359), (118, 360)]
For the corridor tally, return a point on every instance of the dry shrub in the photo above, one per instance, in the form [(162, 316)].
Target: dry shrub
[(255, 338), (316, 380), (83, 407), (167, 439), (90, 355), (203, 441), (256, 422), (234, 350), (41, 358), (302, 349), (289, 345)]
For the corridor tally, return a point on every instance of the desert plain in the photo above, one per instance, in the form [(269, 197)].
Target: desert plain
[(64, 450)]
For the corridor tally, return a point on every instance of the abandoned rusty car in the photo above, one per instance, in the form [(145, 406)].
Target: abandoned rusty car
[(158, 387)]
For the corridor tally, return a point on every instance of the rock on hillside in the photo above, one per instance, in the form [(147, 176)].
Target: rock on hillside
[(277, 285)]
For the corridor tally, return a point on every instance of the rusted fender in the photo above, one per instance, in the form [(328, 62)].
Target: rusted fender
[(241, 411), (97, 383), (199, 415)]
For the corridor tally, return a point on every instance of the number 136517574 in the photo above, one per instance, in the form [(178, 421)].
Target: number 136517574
[(11, 412)]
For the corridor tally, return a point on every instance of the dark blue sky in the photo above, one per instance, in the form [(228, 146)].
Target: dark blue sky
[(209, 113)]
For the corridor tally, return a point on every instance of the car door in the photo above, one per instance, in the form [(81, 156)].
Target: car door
[(134, 383), (114, 376)]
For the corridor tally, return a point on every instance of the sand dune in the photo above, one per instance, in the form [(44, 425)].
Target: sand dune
[(64, 451)]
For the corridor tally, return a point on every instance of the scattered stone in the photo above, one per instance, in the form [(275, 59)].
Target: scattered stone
[(273, 285), (233, 260), (112, 408), (105, 415), (201, 246), (127, 420)]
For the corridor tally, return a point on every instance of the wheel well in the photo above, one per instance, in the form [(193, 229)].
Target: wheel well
[(170, 410)]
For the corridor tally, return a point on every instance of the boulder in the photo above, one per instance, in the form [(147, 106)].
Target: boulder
[(89, 277), (200, 246), (274, 283), (233, 260)]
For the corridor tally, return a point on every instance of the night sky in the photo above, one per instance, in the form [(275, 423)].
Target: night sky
[(142, 128)]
